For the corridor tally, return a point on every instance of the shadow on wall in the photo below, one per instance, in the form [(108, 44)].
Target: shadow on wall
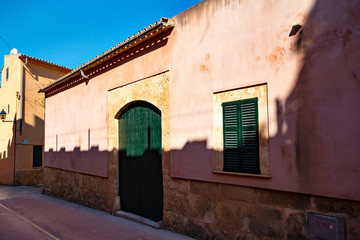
[(197, 201), (32, 135), (91, 161), (321, 113), (80, 176), (141, 184), (7, 161), (86, 179), (38, 71)]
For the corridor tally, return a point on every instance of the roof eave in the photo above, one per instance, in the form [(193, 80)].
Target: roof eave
[(149, 33), (24, 56)]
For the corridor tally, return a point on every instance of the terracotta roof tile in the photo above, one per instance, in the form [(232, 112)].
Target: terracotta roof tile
[(43, 61), (164, 22)]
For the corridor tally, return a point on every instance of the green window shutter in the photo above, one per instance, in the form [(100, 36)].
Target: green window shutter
[(249, 136), (241, 136), (231, 137)]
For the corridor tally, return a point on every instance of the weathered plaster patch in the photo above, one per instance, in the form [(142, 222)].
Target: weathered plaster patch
[(204, 66), (277, 55)]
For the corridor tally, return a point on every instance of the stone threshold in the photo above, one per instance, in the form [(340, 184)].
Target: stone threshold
[(139, 219)]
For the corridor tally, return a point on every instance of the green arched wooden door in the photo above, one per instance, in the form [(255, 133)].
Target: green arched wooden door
[(140, 169)]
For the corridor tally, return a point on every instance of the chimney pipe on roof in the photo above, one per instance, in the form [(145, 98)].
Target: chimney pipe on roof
[(13, 51)]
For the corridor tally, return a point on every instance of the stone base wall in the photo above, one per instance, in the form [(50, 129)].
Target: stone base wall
[(217, 211), (28, 178), (206, 210), (92, 191)]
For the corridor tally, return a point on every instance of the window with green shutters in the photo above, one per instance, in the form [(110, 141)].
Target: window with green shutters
[(241, 136)]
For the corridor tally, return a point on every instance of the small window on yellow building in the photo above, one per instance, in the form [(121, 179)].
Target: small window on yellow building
[(37, 156)]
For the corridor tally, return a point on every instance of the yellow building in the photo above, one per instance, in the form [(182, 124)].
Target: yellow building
[(22, 130)]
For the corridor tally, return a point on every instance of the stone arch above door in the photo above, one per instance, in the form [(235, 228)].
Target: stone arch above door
[(134, 103), (154, 90)]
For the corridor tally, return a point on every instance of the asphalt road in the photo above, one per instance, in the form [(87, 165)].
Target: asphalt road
[(26, 214)]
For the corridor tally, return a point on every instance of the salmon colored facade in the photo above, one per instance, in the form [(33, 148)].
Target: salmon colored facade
[(297, 59), (23, 129), (295, 69)]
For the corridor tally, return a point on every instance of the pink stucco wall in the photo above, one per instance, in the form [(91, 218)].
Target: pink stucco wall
[(313, 86), (76, 119), (219, 45)]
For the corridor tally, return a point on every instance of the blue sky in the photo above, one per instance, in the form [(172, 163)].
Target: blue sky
[(71, 33)]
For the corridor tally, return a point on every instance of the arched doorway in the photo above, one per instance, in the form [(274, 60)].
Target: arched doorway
[(140, 168)]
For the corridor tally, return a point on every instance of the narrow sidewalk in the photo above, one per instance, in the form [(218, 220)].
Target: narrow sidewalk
[(25, 213)]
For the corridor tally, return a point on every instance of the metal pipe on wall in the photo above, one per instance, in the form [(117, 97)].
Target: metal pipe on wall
[(22, 94)]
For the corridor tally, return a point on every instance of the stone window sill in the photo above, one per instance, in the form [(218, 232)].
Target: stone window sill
[(243, 174), (40, 167)]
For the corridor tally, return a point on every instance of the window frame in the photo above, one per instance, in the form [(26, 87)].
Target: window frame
[(244, 157), (232, 95)]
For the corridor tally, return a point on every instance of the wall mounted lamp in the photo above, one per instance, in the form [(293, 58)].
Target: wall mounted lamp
[(3, 116)]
